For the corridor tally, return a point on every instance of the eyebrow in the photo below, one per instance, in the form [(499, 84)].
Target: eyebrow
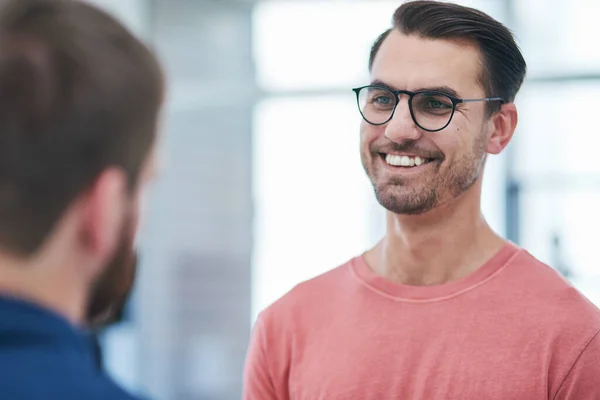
[(442, 89)]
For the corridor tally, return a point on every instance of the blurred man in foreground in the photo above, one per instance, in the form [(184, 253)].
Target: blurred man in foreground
[(80, 98)]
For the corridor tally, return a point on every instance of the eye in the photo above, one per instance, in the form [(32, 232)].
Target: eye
[(382, 99), (435, 101), (432, 103)]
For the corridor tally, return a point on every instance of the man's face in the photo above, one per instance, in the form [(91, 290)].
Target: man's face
[(111, 290), (456, 153)]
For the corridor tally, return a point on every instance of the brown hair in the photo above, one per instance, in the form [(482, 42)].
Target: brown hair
[(503, 66), (78, 94)]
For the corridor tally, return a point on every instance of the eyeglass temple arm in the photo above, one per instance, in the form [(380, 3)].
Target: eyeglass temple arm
[(484, 99)]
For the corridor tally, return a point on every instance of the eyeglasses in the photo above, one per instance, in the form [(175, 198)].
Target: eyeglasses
[(430, 110)]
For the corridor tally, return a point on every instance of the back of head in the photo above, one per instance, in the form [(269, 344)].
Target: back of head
[(78, 94), (503, 66)]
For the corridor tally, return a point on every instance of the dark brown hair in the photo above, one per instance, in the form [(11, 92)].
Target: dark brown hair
[(503, 66), (78, 94)]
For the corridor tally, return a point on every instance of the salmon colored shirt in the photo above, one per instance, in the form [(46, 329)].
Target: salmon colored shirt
[(512, 330)]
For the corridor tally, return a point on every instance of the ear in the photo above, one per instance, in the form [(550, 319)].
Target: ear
[(104, 207), (504, 123), (139, 200)]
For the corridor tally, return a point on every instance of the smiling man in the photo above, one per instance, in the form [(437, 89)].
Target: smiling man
[(442, 307)]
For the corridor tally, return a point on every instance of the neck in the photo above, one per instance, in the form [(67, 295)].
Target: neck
[(437, 247), (43, 286)]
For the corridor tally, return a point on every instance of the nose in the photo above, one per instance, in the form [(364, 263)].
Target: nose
[(402, 127)]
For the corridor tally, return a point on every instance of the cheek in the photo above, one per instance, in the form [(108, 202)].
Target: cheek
[(455, 141), (369, 134)]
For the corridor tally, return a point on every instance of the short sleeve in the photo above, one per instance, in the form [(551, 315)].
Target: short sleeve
[(583, 380)]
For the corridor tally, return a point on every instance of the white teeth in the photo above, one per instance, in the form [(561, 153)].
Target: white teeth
[(393, 160), (403, 161)]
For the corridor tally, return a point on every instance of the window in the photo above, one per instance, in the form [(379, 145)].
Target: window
[(557, 36), (133, 13), (556, 163), (304, 45), (312, 196)]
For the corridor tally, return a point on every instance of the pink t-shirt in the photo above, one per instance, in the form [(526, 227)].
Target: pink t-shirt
[(512, 330)]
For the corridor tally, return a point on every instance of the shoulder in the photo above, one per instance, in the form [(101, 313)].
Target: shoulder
[(320, 293), (74, 386), (564, 323), (58, 375), (580, 381), (550, 291), (317, 288), (553, 307), (103, 387), (97, 392)]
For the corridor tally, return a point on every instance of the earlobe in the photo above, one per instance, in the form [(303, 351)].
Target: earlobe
[(103, 213), (504, 125)]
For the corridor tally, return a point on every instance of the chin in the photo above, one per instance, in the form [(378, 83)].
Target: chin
[(415, 203), (398, 208)]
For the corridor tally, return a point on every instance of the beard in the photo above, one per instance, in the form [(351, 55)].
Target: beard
[(111, 290), (421, 194)]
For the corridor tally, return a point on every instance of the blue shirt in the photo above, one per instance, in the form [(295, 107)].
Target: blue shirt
[(43, 356)]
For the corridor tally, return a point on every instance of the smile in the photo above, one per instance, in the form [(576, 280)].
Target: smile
[(405, 161)]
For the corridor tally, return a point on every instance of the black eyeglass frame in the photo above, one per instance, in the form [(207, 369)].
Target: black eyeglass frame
[(411, 95)]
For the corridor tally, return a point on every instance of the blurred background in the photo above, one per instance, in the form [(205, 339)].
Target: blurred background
[(262, 185)]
